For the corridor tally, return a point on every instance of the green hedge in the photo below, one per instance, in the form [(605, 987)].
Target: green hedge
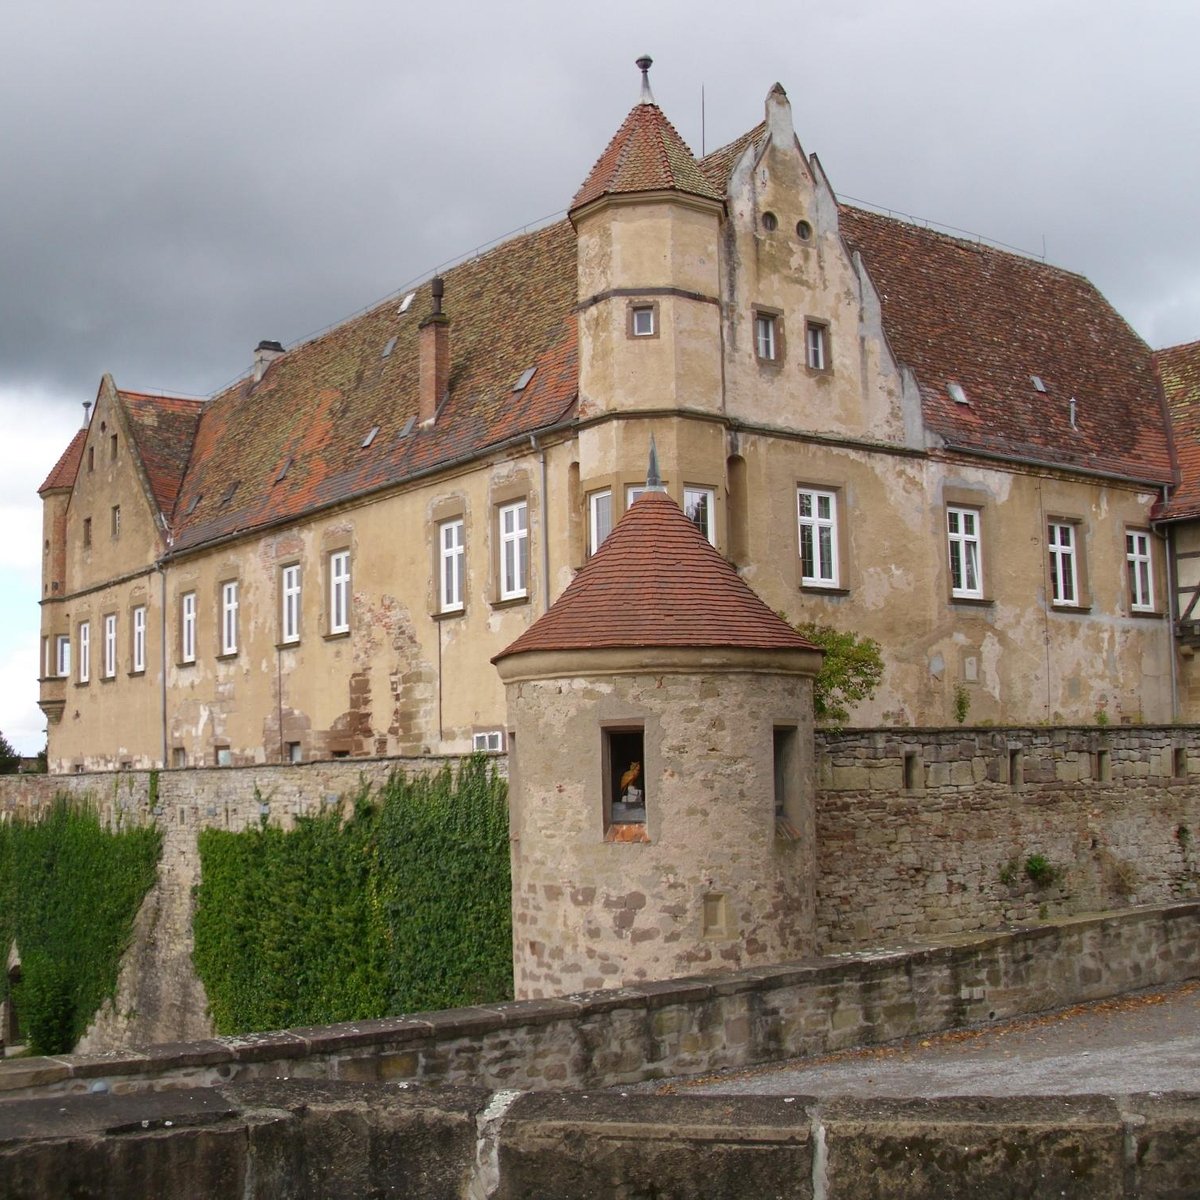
[(69, 893), (404, 907)]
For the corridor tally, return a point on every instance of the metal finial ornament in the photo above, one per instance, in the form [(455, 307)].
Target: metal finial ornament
[(644, 64), (654, 481), (87, 412)]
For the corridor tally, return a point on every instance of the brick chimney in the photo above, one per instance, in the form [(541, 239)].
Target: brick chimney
[(434, 356), (265, 353)]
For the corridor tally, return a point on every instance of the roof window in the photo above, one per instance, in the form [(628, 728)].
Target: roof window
[(391, 345), (406, 303), (287, 466), (230, 492), (370, 436), (191, 508), (956, 393), (408, 426), (523, 382), (1038, 385)]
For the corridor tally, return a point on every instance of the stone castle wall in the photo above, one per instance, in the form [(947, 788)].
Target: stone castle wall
[(928, 832)]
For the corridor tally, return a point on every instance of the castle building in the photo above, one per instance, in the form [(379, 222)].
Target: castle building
[(951, 448)]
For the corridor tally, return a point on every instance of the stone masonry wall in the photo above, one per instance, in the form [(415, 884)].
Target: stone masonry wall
[(928, 832), (680, 1026)]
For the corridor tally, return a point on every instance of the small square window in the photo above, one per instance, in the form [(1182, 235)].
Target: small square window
[(643, 321), (600, 518), (178, 756), (223, 756), (699, 504), (816, 340), (294, 752), (488, 741)]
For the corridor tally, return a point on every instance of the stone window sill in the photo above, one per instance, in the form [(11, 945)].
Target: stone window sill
[(511, 602), (628, 832)]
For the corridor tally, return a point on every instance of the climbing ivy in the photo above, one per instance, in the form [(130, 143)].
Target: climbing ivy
[(69, 893), (405, 906)]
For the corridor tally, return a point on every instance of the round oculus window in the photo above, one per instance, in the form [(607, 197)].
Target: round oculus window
[(803, 230), (770, 222)]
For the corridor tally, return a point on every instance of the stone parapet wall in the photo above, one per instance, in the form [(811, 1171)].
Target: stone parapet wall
[(677, 1027), (926, 832), (319, 1139), (224, 797)]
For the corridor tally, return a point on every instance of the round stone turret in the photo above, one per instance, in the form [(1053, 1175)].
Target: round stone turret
[(661, 773)]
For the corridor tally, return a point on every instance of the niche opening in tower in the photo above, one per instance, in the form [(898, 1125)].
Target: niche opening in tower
[(625, 777)]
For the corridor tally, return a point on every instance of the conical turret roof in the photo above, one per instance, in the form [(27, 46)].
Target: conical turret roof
[(646, 155), (657, 582)]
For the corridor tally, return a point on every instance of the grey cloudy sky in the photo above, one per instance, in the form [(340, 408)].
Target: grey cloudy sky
[(181, 180)]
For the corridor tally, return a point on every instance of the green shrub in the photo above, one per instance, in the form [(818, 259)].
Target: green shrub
[(850, 673), (69, 893), (403, 907)]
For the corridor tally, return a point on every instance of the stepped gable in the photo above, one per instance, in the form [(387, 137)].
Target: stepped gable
[(1179, 372), (163, 428), (645, 155), (656, 581), (293, 442), (67, 467), (989, 320)]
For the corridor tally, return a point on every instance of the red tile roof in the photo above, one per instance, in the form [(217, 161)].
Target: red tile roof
[(1179, 370), (646, 155), (718, 166), (657, 582), (67, 467), (510, 309), (163, 428), (956, 311)]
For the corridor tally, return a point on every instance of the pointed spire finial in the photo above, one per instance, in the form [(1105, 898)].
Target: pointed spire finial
[(654, 481), (644, 64)]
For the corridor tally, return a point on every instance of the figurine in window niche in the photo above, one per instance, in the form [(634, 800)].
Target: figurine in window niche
[(629, 793)]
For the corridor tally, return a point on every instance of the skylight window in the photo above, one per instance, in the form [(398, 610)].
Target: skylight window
[(370, 436), (406, 303), (287, 466), (230, 492), (191, 508), (408, 425), (391, 345), (1038, 385), (523, 382), (956, 393)]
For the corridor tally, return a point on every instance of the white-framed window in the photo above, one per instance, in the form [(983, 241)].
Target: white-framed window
[(229, 616), (139, 638), (488, 741), (962, 532), (600, 518), (641, 320), (289, 602), (514, 550), (339, 591), (110, 645), (699, 504), (816, 344), (85, 651), (187, 627), (766, 336), (452, 556), (817, 514), (1139, 565), (62, 655), (1064, 567)]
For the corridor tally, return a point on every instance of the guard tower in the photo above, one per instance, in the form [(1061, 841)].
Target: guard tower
[(661, 773)]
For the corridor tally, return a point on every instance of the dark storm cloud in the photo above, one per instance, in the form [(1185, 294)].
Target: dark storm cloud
[(181, 181)]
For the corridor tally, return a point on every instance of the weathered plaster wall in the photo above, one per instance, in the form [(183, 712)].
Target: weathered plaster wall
[(1114, 811)]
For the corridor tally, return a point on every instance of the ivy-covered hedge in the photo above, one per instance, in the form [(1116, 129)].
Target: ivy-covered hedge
[(69, 893), (401, 908)]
